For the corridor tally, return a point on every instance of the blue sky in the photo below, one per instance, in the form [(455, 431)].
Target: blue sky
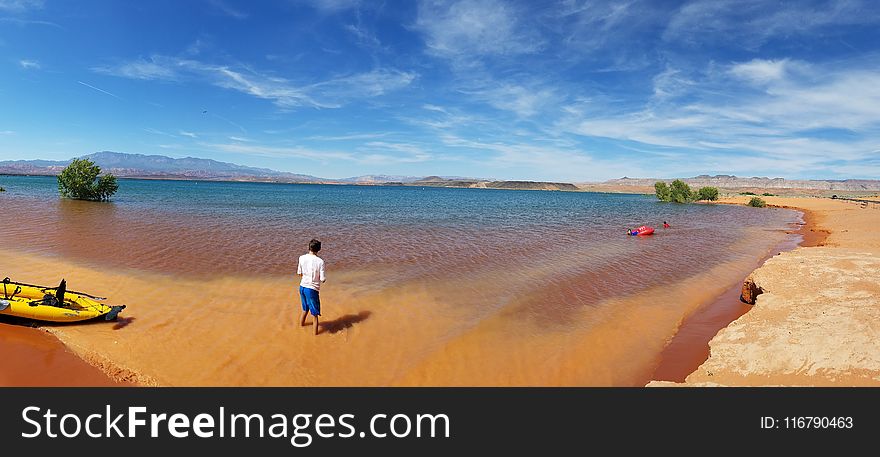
[(542, 90)]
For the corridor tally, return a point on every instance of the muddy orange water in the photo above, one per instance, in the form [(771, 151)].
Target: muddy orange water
[(425, 286)]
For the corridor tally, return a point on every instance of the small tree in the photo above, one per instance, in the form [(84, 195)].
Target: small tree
[(680, 192), (708, 193), (757, 202), (80, 181), (662, 191)]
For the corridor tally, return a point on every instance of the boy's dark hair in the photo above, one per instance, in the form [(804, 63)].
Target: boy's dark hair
[(314, 245)]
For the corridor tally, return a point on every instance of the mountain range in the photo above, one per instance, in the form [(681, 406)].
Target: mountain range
[(755, 182), (155, 166), (126, 165)]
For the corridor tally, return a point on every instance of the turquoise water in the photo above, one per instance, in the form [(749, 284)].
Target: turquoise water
[(408, 233)]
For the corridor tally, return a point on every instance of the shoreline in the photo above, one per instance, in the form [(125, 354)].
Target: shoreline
[(815, 312), (23, 345), (689, 347), (809, 229), (142, 370)]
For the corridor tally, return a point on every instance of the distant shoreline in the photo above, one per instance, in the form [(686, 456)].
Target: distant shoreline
[(451, 184), (599, 188)]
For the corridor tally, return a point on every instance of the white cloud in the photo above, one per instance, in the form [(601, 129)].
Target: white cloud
[(520, 100), (240, 139), (225, 8), (23, 22), (556, 161), (332, 6), (373, 84), (157, 132), (280, 152), (370, 153), (593, 25), (751, 23), (29, 64), (332, 93), (349, 137), (760, 71), (402, 152), (7, 132), (364, 36), (189, 134), (19, 6), (157, 68), (468, 29), (670, 83), (797, 122)]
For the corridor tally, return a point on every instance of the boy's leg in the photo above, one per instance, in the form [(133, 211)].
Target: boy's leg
[(315, 307), (305, 307)]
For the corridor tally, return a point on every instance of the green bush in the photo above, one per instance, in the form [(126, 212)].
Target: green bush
[(80, 181), (662, 191), (747, 193), (707, 193), (757, 202), (680, 192), (767, 194)]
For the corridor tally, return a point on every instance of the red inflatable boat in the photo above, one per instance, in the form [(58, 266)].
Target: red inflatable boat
[(643, 230)]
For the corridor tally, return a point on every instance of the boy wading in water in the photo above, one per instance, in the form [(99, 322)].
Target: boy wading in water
[(311, 267)]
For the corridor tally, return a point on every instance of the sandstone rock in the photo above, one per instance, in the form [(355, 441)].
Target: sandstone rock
[(750, 291)]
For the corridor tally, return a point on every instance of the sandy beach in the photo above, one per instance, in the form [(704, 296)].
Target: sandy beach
[(816, 319), (224, 343), (33, 358)]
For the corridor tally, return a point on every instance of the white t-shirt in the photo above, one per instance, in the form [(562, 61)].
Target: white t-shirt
[(311, 267)]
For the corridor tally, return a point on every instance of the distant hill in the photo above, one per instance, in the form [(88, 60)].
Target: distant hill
[(397, 179), (437, 181), (125, 165), (734, 182), (155, 166), (378, 179)]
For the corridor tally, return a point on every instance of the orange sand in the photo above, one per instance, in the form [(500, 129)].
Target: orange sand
[(689, 348), (816, 324), (34, 359), (184, 332)]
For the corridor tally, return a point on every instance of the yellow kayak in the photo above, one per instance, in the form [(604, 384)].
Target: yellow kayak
[(53, 304)]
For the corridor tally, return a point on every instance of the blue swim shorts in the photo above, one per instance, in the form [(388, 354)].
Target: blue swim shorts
[(311, 302)]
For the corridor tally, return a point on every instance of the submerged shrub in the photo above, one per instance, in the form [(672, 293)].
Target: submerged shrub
[(680, 192), (80, 181), (707, 193), (662, 191), (757, 202)]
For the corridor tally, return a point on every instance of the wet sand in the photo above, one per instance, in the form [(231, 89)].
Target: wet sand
[(363, 341), (689, 348), (817, 320), (33, 358)]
